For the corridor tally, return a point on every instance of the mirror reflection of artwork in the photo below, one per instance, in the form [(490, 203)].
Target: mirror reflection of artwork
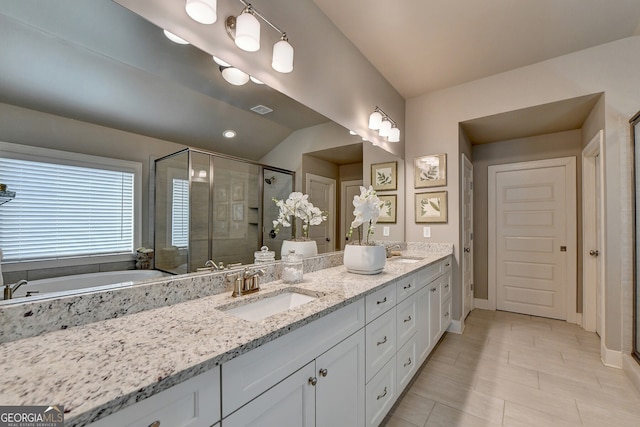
[(384, 176), (431, 207), (430, 171), (388, 210)]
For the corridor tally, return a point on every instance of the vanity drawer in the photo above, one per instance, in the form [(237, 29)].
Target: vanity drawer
[(406, 317), (379, 302), (406, 287), (446, 286), (429, 273), (381, 394), (380, 342), (406, 363), (446, 315), (193, 403)]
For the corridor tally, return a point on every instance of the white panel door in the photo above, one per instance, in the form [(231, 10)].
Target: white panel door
[(322, 193), (533, 232), (467, 235)]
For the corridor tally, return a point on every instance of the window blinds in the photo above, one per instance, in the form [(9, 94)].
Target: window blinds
[(180, 213), (63, 211)]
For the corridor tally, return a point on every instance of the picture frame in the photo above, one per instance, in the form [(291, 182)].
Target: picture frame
[(221, 194), (384, 176), (430, 171), (221, 211), (431, 207), (237, 191), (388, 212), (237, 211)]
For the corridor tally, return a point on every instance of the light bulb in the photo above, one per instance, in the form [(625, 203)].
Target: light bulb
[(220, 62), (256, 81), (202, 11), (174, 38), (234, 76), (374, 120), (229, 133), (282, 60), (247, 32)]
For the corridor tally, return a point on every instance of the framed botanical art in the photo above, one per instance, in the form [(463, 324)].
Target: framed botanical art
[(388, 210), (431, 207), (384, 176), (430, 171), (237, 212)]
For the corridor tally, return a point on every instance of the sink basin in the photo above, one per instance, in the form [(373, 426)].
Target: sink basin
[(406, 259), (265, 307)]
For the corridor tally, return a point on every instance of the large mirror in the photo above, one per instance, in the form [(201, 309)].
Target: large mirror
[(92, 77)]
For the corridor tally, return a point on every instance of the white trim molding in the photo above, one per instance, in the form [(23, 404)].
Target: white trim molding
[(610, 358), (456, 326), (632, 369), (482, 304)]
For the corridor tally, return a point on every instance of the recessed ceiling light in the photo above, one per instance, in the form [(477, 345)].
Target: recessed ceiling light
[(229, 133), (174, 38)]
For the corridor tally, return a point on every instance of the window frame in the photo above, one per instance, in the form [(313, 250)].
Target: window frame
[(47, 155)]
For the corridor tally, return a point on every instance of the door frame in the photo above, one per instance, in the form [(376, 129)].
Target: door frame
[(589, 237), (466, 162), (331, 222), (572, 237)]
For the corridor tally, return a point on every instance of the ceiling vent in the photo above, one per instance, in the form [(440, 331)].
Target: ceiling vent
[(261, 109)]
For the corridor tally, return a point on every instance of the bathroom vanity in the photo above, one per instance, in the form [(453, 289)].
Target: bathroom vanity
[(340, 358)]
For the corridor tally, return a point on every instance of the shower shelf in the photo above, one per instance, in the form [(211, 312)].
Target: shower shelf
[(6, 196)]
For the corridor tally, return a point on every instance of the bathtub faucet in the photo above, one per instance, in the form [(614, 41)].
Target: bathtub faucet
[(10, 289), (213, 266)]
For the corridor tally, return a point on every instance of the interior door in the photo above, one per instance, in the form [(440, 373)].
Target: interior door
[(467, 235), (533, 223), (349, 189), (596, 251), (322, 193)]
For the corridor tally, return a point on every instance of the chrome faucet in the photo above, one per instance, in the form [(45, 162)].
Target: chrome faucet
[(213, 266), (10, 289), (244, 282), (388, 250)]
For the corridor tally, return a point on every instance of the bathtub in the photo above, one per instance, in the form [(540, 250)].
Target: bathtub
[(80, 283)]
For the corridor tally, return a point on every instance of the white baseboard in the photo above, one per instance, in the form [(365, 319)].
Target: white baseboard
[(579, 320), (482, 304), (456, 327), (632, 369), (610, 358)]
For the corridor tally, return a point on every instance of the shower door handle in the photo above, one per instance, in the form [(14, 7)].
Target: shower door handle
[(272, 234)]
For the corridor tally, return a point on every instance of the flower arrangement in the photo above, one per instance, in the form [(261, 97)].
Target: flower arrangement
[(367, 210), (298, 206)]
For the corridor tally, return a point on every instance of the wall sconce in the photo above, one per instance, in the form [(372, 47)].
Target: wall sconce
[(385, 125)]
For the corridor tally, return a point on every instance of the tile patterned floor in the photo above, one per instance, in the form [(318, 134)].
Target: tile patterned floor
[(515, 370)]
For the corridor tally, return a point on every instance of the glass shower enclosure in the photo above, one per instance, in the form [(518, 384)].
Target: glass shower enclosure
[(214, 207)]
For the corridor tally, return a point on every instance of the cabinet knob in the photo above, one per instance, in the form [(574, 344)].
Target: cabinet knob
[(323, 372), (384, 393), (155, 424), (313, 381), (384, 340), (383, 301), (467, 250)]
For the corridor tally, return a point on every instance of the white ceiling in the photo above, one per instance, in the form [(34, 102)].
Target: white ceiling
[(425, 45)]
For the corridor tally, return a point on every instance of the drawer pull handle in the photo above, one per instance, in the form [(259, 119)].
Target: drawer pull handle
[(446, 314), (383, 301), (384, 393), (155, 424), (407, 286), (408, 319), (313, 381), (384, 340), (408, 363), (323, 372), (433, 289), (446, 286)]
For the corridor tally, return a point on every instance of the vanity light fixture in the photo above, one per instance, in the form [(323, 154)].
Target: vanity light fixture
[(244, 30), (202, 11), (229, 133), (256, 81), (174, 38), (234, 75), (385, 125)]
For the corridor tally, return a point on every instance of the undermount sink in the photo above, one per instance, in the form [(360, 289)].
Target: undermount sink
[(265, 307), (407, 259)]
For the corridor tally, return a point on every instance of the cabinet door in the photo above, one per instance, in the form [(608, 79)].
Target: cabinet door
[(380, 337), (340, 390), (290, 403), (434, 311)]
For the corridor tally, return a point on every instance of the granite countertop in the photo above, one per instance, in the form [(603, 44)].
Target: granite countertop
[(99, 368)]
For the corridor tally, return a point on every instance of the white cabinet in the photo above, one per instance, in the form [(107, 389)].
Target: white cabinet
[(381, 393), (193, 403), (340, 390), (407, 363), (289, 403), (379, 302), (381, 342), (434, 312), (406, 320)]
